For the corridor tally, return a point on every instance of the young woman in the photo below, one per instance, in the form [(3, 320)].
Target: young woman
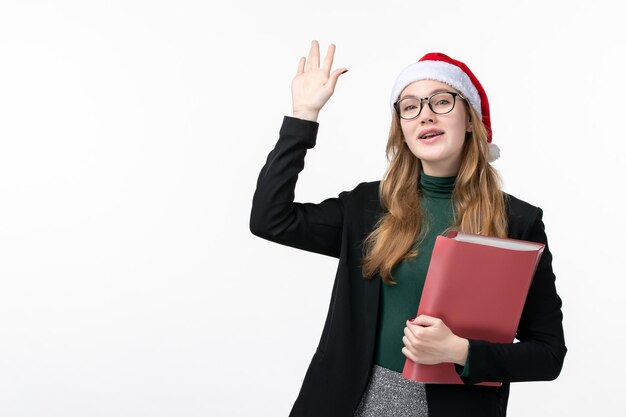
[(439, 179)]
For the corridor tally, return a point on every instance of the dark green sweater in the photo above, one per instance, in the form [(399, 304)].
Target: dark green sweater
[(399, 302)]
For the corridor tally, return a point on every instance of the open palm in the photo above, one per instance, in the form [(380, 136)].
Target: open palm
[(313, 84)]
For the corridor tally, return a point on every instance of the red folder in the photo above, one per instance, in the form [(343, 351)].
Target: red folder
[(478, 286)]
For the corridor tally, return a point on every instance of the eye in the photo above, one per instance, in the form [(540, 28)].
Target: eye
[(442, 102), (409, 107)]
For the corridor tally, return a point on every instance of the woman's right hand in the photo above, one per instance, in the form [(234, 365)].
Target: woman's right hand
[(313, 85)]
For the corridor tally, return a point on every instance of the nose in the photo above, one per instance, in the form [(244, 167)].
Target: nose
[(427, 114)]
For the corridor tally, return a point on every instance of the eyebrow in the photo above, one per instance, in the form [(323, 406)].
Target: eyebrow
[(438, 90)]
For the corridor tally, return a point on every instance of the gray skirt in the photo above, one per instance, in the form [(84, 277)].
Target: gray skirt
[(388, 394)]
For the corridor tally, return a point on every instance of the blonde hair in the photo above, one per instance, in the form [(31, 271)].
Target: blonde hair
[(478, 201)]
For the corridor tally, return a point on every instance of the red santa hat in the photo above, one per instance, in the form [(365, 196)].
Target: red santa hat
[(440, 67)]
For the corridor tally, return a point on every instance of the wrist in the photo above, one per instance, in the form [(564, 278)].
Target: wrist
[(310, 115), (461, 349)]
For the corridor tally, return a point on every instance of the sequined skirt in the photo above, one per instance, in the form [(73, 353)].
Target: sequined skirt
[(388, 394)]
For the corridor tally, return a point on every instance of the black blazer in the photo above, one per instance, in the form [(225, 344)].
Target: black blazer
[(340, 368)]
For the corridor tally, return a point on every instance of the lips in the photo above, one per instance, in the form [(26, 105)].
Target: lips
[(430, 133)]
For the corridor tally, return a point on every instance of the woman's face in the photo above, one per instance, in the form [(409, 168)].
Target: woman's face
[(436, 139)]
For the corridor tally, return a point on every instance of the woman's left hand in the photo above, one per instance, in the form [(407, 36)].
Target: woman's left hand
[(427, 340)]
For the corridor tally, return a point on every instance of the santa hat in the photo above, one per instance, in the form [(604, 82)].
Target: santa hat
[(440, 67)]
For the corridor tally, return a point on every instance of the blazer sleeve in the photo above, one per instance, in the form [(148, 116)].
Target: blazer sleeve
[(540, 352), (275, 216)]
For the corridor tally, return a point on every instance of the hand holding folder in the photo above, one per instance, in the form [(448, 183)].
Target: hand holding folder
[(477, 285)]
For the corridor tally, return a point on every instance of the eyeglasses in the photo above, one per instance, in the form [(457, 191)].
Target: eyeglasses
[(440, 103)]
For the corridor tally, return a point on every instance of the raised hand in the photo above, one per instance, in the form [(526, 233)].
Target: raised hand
[(313, 85)]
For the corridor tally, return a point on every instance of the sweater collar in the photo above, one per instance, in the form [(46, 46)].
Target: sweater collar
[(437, 187)]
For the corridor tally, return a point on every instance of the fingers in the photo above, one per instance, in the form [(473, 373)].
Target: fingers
[(301, 66), (406, 352), (417, 346), (328, 61), (332, 81), (424, 320), (313, 62), (412, 347), (412, 332), (409, 338)]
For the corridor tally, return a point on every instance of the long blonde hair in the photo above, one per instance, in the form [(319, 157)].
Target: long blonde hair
[(479, 205)]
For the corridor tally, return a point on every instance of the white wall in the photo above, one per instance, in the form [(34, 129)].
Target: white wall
[(131, 135)]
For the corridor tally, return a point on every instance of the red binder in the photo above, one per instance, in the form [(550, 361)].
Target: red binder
[(478, 286)]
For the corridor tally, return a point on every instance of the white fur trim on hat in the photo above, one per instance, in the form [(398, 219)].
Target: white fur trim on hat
[(494, 152), (437, 71)]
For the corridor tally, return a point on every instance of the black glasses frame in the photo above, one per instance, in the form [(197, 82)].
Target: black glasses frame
[(396, 105)]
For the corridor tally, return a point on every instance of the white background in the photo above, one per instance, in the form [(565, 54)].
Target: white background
[(131, 136)]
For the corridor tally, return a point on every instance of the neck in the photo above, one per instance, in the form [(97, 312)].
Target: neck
[(441, 169)]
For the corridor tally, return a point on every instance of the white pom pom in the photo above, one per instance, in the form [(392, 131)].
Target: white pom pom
[(494, 152)]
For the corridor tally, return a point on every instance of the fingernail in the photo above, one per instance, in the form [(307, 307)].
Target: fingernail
[(344, 71), (411, 320)]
